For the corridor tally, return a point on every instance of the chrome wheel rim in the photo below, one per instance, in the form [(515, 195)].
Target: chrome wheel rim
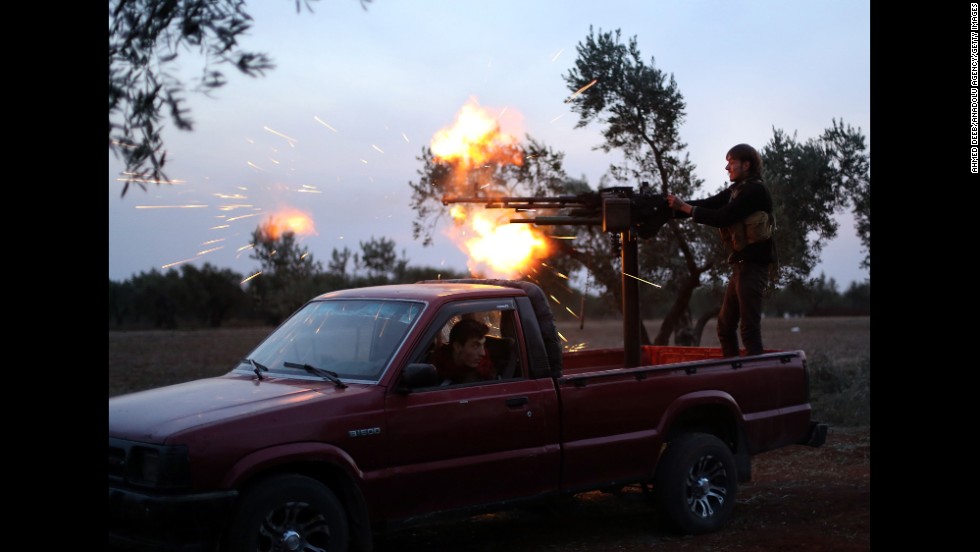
[(294, 527), (707, 486)]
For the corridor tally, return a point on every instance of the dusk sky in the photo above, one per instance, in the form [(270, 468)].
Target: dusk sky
[(336, 129)]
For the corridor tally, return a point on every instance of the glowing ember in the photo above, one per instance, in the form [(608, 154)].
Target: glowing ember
[(458, 212), (288, 220), (580, 90)]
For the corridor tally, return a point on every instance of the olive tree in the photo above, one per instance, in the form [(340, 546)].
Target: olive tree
[(146, 37), (289, 275), (640, 110)]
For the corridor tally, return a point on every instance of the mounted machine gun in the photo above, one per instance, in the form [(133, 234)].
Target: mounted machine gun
[(626, 214)]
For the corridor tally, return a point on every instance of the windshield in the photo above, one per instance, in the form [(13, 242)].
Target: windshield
[(353, 338)]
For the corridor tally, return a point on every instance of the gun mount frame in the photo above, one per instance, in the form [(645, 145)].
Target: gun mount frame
[(621, 211)]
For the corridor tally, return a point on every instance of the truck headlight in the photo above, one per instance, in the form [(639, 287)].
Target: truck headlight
[(162, 467)]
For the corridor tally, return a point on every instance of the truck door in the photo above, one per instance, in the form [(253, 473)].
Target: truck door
[(459, 444)]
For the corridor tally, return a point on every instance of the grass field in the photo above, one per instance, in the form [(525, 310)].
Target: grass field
[(838, 351)]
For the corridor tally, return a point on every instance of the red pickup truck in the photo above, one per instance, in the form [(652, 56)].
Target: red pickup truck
[(337, 426)]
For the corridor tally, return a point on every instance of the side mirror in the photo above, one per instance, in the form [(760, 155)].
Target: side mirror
[(418, 375)]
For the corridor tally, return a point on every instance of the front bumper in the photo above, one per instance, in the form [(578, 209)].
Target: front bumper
[(149, 522)]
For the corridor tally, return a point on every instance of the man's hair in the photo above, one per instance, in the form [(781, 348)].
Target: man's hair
[(745, 152), (467, 329)]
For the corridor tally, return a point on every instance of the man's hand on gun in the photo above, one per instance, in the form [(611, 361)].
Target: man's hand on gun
[(678, 204)]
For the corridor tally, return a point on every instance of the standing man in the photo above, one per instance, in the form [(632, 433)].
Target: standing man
[(743, 214)]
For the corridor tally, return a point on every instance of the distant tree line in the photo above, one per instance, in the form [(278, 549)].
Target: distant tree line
[(208, 296)]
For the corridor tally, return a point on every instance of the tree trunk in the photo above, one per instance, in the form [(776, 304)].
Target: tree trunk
[(644, 336), (678, 309), (683, 333), (702, 322)]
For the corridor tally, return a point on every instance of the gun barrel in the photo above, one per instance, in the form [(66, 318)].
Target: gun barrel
[(509, 202), (560, 221)]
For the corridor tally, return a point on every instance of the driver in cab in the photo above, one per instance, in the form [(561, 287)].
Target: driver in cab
[(464, 359)]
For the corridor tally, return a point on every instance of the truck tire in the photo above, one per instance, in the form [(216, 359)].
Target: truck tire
[(695, 483), (285, 513)]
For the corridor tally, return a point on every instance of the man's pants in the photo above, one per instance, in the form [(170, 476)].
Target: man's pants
[(743, 303)]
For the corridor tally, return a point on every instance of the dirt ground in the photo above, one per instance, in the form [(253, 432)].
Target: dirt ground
[(800, 499)]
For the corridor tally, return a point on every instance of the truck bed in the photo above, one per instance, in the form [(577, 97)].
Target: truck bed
[(650, 355)]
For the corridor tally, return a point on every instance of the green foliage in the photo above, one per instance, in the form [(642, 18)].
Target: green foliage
[(205, 296), (793, 299), (820, 297), (338, 262), (418, 273), (639, 106), (146, 37), (289, 276), (852, 170), (157, 297), (858, 295), (840, 393), (150, 298), (810, 182), (814, 298), (641, 109), (211, 295), (120, 302), (379, 258), (282, 255)]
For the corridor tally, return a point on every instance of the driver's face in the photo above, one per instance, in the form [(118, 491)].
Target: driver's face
[(470, 353)]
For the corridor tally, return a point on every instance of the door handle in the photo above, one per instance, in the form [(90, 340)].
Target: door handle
[(514, 402)]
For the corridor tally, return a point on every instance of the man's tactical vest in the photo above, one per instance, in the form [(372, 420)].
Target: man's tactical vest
[(754, 228)]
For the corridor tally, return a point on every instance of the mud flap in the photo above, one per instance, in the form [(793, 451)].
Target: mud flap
[(816, 435)]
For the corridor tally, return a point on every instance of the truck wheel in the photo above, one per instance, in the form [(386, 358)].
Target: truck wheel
[(695, 484), (286, 513)]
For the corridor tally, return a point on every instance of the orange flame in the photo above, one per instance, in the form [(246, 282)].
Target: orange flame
[(495, 247), (474, 140), (288, 220)]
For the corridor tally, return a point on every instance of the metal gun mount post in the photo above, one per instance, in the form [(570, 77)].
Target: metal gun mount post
[(617, 216), (621, 212), (631, 301)]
